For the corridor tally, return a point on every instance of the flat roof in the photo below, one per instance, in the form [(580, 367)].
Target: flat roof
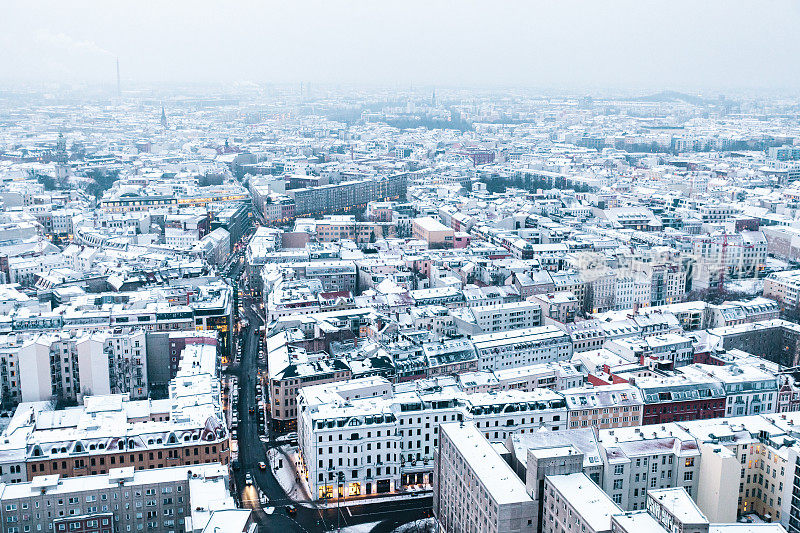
[(588, 500), (678, 503), (500, 481)]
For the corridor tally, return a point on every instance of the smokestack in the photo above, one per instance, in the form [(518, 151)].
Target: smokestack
[(119, 85)]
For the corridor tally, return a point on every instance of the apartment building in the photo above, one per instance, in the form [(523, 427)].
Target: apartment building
[(560, 306), (671, 349), (411, 414), (303, 296), (498, 317), (165, 500), (66, 366), (756, 474), (573, 503), (290, 368), (777, 341), (554, 376), (679, 397), (749, 389), (334, 275), (784, 287), (347, 195), (430, 230), (474, 489), (604, 407), (569, 281), (638, 459), (113, 431), (515, 348), (334, 228)]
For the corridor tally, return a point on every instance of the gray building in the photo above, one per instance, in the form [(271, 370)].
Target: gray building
[(473, 487), (164, 500)]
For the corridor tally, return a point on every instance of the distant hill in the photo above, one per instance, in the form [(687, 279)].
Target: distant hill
[(671, 96)]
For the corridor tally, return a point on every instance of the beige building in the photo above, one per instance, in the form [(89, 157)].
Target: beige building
[(718, 487), (430, 230), (604, 407), (560, 306)]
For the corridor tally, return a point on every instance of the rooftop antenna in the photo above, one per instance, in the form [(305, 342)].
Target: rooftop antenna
[(119, 86)]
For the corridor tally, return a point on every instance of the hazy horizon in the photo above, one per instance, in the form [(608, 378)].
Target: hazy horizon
[(572, 45)]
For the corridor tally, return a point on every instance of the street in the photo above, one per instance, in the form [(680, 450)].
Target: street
[(308, 518)]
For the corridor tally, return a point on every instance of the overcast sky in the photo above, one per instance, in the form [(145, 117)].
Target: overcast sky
[(678, 44)]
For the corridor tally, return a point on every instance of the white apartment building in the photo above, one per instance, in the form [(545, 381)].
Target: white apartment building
[(609, 406), (474, 489), (638, 459), (511, 349), (23, 270), (504, 317), (671, 348), (783, 287), (630, 291), (749, 390), (400, 430), (716, 213), (554, 376)]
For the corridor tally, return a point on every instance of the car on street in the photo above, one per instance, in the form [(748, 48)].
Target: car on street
[(248, 478), (262, 465), (291, 510)]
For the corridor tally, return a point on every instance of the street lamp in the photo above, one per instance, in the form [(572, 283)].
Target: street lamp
[(339, 494)]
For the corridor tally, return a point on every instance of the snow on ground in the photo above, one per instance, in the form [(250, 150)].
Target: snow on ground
[(286, 475), (359, 528), (420, 526)]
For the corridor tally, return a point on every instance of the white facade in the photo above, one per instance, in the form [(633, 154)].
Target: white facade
[(507, 316), (401, 429), (544, 344)]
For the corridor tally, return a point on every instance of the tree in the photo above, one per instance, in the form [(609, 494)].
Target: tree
[(102, 180), (49, 182)]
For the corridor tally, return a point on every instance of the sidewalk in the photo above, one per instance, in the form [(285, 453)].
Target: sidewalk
[(287, 475), (367, 500)]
